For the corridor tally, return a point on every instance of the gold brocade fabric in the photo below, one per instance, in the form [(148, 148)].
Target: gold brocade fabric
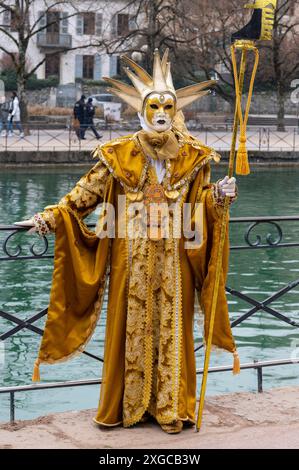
[(150, 342), (149, 362), (159, 145)]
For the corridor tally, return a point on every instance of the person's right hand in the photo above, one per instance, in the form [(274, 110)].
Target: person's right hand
[(27, 223)]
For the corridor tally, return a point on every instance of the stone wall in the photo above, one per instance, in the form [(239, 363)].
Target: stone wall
[(262, 102), (83, 157)]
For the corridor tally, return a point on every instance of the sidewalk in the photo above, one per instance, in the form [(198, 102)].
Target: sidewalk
[(232, 421)]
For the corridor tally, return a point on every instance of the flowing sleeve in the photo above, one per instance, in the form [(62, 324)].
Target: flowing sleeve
[(81, 266), (203, 260), (83, 199), (213, 212)]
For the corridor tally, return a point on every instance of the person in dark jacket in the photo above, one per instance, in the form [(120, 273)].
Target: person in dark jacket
[(90, 112), (80, 114)]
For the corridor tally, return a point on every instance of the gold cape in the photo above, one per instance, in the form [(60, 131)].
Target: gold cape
[(149, 361)]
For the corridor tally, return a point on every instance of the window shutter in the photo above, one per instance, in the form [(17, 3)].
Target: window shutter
[(80, 25), (132, 23), (97, 68), (6, 18), (113, 23), (79, 66), (99, 24), (113, 65), (64, 22), (42, 19)]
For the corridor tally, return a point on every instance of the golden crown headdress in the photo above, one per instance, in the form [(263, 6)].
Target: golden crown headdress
[(160, 82)]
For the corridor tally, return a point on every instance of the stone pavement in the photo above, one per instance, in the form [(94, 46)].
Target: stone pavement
[(268, 420)]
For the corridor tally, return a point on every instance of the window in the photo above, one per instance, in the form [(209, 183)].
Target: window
[(99, 24), (118, 66), (64, 22), (9, 20), (6, 18), (52, 68), (122, 24), (53, 20), (88, 66), (88, 23), (13, 21), (292, 8)]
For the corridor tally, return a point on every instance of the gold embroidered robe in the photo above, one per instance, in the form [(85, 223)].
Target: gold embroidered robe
[(149, 361)]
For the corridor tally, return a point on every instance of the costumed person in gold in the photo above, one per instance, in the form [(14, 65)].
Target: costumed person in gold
[(154, 280)]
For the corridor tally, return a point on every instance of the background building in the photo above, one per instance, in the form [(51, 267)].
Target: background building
[(83, 27)]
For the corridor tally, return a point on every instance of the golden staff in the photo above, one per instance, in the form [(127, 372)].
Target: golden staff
[(259, 28)]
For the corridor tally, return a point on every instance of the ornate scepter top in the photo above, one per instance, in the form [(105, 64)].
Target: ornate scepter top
[(258, 28), (261, 23)]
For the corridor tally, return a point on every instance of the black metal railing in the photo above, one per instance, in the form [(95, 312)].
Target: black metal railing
[(252, 239), (60, 136), (256, 365), (271, 240)]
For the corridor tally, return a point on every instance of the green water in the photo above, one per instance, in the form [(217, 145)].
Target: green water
[(25, 286)]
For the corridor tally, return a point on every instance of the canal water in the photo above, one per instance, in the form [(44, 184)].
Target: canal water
[(25, 287)]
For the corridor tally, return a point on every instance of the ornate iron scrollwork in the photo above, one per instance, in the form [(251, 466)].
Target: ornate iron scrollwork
[(269, 236), (18, 249)]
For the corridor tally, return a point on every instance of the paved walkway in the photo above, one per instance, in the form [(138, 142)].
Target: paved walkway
[(60, 139), (241, 420)]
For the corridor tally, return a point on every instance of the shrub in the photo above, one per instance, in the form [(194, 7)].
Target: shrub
[(34, 83), (101, 83), (9, 78), (38, 110)]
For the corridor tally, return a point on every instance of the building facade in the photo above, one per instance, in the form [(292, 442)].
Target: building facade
[(74, 37)]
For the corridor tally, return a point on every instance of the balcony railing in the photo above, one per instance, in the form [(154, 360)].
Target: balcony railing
[(53, 40)]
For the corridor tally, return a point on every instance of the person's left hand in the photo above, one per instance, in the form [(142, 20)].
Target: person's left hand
[(227, 186), (27, 223)]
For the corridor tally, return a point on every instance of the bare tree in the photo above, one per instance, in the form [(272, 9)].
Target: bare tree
[(208, 55), (285, 52), (22, 28), (210, 49), (198, 35), (196, 32), (152, 24)]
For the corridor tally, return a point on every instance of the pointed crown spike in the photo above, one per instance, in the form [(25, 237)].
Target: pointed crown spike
[(165, 61), (122, 86), (140, 86), (142, 74), (160, 82), (158, 75)]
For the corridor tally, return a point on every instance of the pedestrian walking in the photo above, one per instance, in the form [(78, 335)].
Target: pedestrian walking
[(1, 118), (14, 115), (90, 112), (80, 114)]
